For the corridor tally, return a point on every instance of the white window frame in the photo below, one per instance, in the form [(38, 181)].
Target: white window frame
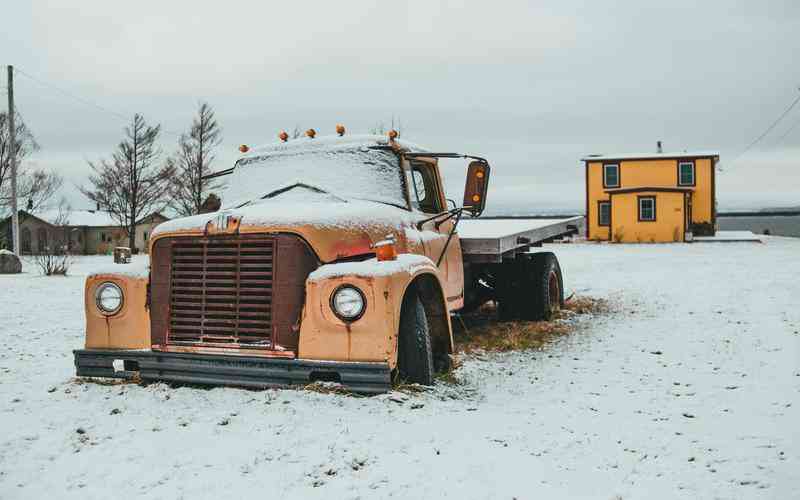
[(680, 164), (641, 212), (606, 167)]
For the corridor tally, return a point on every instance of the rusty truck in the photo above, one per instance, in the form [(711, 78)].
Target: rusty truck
[(331, 259)]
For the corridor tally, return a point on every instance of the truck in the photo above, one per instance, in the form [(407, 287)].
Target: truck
[(334, 259)]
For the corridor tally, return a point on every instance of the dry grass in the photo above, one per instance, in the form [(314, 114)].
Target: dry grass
[(327, 388), (484, 333)]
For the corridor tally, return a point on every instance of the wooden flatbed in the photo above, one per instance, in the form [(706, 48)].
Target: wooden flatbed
[(492, 240)]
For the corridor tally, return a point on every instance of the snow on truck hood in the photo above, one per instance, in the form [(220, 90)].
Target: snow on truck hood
[(323, 211), (335, 228)]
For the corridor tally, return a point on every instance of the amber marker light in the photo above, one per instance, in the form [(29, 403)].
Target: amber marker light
[(340, 130), (311, 133), (479, 174), (283, 136), (393, 134), (476, 198), (243, 148), (386, 249)]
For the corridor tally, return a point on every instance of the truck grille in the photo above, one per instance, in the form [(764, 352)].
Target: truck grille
[(221, 292)]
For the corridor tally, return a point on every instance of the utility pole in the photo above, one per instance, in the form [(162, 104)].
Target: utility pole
[(12, 159)]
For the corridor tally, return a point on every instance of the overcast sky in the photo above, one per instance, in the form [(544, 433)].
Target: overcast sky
[(532, 86)]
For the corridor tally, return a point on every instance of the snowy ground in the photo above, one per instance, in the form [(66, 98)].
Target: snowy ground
[(690, 390)]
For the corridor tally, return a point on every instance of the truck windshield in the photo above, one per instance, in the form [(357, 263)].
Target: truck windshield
[(360, 172)]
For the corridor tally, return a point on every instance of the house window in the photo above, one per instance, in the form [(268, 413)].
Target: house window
[(686, 173), (611, 175), (25, 238), (647, 208), (604, 213), (144, 235)]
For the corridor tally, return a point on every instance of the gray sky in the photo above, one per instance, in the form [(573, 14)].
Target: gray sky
[(533, 86)]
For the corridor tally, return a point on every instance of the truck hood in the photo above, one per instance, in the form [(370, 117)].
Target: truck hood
[(335, 228)]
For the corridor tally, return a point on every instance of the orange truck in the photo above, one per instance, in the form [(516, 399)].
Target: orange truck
[(332, 259)]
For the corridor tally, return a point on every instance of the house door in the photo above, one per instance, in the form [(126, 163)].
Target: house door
[(688, 225)]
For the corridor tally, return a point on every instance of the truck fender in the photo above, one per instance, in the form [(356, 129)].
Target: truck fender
[(428, 284)]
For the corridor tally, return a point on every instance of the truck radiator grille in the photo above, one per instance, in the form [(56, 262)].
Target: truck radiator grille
[(221, 292)]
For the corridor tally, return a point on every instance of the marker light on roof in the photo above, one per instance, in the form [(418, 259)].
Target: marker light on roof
[(243, 148), (340, 130), (311, 133), (393, 134), (283, 136)]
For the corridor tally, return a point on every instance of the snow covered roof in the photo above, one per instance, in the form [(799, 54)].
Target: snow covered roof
[(652, 156), (351, 167), (90, 218)]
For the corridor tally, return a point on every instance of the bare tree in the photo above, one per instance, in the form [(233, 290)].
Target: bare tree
[(380, 127), (35, 186), (193, 161), (296, 132), (131, 185)]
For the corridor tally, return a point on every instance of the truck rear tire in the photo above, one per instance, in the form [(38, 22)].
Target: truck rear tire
[(414, 352), (532, 288), (547, 286)]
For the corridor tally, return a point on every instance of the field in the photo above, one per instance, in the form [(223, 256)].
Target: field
[(688, 388)]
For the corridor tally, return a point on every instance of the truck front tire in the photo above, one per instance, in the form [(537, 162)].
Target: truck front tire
[(414, 352)]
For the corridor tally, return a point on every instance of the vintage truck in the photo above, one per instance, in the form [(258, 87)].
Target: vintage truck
[(332, 259)]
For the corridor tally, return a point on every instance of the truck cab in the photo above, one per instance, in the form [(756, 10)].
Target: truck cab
[(330, 259)]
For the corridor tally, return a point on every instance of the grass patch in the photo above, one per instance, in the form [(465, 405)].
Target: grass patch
[(327, 388), (481, 331)]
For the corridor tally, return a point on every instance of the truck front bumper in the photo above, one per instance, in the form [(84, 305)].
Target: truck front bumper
[(243, 371)]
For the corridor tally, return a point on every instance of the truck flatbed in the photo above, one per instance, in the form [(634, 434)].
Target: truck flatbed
[(489, 240)]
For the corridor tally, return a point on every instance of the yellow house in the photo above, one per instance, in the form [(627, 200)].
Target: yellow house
[(657, 197)]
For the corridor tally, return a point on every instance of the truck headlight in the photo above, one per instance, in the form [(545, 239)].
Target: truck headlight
[(108, 297), (348, 303)]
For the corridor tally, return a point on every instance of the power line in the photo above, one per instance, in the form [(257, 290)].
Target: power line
[(769, 129), (785, 135), (73, 96), (122, 116)]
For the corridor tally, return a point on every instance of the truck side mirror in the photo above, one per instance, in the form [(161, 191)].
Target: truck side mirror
[(476, 188)]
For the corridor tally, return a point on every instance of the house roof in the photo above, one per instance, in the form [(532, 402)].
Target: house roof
[(88, 218), (652, 156), (81, 218), (656, 189)]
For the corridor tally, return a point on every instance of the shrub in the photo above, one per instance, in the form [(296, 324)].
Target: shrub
[(55, 262)]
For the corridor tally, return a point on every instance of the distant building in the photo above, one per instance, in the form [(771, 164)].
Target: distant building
[(84, 232), (657, 197)]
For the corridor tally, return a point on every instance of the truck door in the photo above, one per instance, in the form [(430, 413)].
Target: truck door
[(427, 199)]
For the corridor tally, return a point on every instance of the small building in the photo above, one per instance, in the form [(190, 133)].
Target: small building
[(80, 232), (656, 197)]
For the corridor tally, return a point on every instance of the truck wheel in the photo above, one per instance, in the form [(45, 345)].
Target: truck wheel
[(546, 285), (414, 352)]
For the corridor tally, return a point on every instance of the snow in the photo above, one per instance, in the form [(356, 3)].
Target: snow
[(347, 167), (372, 268), (691, 389), (498, 228), (729, 236), (91, 218), (3, 251), (650, 155), (137, 268), (298, 209)]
